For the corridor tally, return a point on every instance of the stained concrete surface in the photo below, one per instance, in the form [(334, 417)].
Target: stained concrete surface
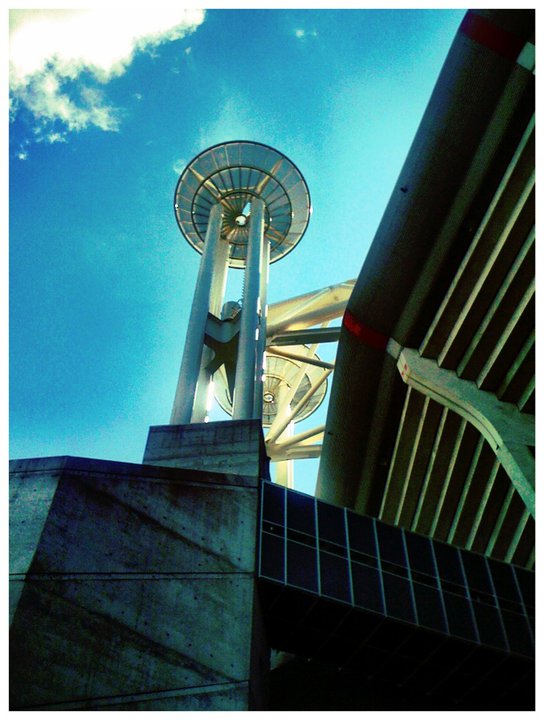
[(134, 586)]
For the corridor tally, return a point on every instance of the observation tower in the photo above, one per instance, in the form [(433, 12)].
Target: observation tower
[(242, 205)]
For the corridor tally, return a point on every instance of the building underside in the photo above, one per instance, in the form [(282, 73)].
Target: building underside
[(431, 418), (430, 424)]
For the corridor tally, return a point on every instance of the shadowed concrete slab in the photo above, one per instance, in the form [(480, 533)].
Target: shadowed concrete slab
[(133, 586)]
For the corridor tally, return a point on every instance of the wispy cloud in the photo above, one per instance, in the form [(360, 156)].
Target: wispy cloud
[(302, 34), (59, 59), (179, 166), (238, 119)]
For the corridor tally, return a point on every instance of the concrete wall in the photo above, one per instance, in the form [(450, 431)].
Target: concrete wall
[(234, 446), (133, 587)]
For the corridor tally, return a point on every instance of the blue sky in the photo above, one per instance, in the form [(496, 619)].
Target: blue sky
[(101, 280)]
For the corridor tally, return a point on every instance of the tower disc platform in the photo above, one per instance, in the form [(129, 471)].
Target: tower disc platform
[(279, 375), (233, 174)]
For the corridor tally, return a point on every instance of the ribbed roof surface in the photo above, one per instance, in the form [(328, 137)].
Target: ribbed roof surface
[(451, 275), (444, 479)]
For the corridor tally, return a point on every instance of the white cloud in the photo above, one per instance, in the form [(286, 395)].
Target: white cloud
[(303, 34), (50, 49), (179, 166), (54, 137)]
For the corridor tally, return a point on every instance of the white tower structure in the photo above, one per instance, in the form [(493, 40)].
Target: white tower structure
[(244, 205)]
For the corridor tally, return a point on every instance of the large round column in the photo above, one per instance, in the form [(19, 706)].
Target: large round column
[(261, 331), (246, 361), (204, 388), (194, 341)]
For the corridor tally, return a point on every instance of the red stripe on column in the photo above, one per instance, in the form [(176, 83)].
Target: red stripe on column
[(484, 32), (362, 332)]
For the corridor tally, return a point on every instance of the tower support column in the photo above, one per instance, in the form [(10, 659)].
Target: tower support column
[(245, 380), (194, 343), (261, 337), (217, 294)]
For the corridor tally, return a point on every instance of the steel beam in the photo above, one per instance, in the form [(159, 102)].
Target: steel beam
[(302, 358), (285, 468), (495, 307), (306, 337), (288, 399), (280, 427), (309, 309), (294, 452)]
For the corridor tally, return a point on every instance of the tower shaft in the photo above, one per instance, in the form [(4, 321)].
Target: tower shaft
[(252, 322), (209, 286), (242, 205)]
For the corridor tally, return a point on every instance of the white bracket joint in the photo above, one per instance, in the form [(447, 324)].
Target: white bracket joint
[(510, 432)]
